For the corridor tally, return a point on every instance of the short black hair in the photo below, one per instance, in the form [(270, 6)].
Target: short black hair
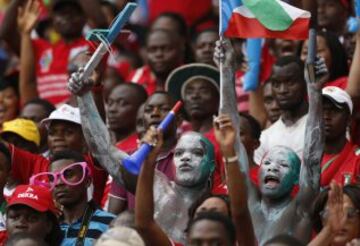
[(48, 107), (216, 217), (197, 34), (67, 155), (15, 238), (284, 239), (10, 81), (5, 151), (58, 4), (203, 198), (287, 60), (182, 26), (164, 93), (352, 191), (171, 35), (255, 128), (141, 93)]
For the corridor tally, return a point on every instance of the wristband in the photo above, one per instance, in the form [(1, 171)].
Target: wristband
[(230, 159)]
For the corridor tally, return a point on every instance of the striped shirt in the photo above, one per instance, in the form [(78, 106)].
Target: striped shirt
[(99, 223)]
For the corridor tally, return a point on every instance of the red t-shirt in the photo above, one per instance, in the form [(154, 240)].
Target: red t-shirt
[(344, 167), (127, 145), (185, 8), (145, 77), (51, 67), (26, 164)]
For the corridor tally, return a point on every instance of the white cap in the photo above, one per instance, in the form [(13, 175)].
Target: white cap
[(338, 96), (64, 112)]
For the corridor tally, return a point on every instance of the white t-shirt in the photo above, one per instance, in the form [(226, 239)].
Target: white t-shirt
[(280, 134)]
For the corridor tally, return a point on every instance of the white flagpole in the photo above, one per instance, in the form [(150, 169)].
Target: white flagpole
[(220, 63)]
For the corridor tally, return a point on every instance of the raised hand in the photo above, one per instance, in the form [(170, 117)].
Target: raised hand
[(153, 137), (77, 86), (225, 133), (224, 53), (335, 217), (321, 74), (28, 16)]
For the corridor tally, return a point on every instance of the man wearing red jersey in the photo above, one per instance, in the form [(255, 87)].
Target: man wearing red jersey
[(123, 104), (164, 53), (341, 160)]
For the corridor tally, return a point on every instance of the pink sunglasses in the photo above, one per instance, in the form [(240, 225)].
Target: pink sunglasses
[(71, 175)]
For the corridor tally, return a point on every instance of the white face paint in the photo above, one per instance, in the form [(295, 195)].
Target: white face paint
[(277, 174), (189, 152)]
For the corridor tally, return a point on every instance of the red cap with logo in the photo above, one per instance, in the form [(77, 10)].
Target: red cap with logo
[(36, 197)]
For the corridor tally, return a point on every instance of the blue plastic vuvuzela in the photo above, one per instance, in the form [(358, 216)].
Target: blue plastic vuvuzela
[(106, 37), (134, 162)]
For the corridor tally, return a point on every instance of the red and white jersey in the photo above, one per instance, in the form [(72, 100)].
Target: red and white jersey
[(51, 64)]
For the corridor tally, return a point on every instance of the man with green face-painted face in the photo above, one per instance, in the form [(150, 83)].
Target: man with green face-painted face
[(161, 210), (279, 172), (272, 208)]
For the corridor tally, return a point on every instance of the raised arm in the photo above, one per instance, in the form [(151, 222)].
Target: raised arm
[(335, 217), (7, 31), (225, 134), (314, 136), (95, 131), (145, 223), (353, 87), (26, 20), (224, 57)]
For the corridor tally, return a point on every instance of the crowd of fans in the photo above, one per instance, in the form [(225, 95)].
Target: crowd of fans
[(279, 165)]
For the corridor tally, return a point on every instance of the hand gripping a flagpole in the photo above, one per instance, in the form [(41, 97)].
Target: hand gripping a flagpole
[(106, 37)]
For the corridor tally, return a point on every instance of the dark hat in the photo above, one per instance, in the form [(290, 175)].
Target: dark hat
[(179, 78)]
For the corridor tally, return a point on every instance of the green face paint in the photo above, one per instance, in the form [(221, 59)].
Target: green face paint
[(279, 172), (208, 162), (193, 160)]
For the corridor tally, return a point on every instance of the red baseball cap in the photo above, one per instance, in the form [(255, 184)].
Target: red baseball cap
[(36, 197)]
